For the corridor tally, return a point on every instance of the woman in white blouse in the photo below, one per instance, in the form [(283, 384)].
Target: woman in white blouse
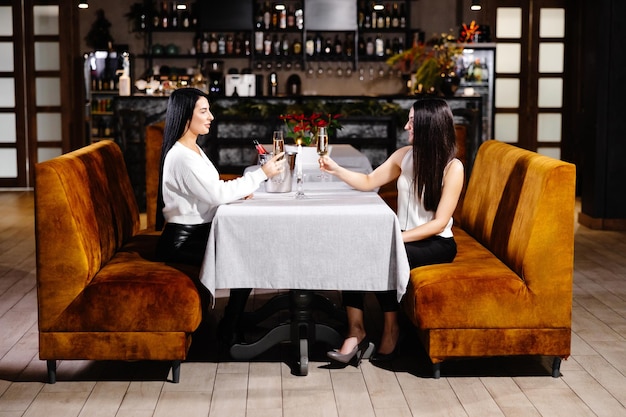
[(190, 191), (430, 180)]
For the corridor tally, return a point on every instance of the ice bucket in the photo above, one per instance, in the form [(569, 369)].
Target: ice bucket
[(281, 183)]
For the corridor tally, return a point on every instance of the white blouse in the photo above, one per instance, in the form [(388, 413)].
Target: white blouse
[(411, 211), (192, 189)]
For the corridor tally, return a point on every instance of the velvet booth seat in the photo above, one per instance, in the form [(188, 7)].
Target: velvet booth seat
[(101, 294), (509, 290)]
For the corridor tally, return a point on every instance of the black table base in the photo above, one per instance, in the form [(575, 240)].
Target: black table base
[(302, 331)]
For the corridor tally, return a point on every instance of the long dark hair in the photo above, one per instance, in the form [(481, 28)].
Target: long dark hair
[(179, 112), (434, 145)]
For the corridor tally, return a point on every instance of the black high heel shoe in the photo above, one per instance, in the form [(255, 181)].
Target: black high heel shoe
[(361, 351)]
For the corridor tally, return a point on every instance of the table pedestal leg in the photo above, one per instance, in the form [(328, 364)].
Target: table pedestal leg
[(302, 331)]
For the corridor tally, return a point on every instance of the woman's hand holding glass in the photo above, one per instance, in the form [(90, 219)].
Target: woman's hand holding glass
[(328, 165), (275, 165)]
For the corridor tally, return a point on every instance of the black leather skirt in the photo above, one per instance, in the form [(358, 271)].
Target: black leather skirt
[(183, 243)]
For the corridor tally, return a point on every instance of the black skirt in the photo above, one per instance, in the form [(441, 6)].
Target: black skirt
[(183, 243)]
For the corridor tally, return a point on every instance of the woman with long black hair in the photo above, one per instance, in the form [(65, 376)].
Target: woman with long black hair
[(190, 191), (430, 180)]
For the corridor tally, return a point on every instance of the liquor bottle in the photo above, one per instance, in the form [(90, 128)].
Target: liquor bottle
[(230, 45), (374, 16), (297, 47), (267, 15), (338, 49), (369, 47), (328, 47), (402, 16), (291, 17), (309, 46), (348, 47), (388, 48), (275, 18), (165, 15), (213, 47), (318, 44), (221, 44), (156, 19), (381, 19), (247, 48), (361, 46), (276, 45), (379, 46), (387, 16), (267, 45), (185, 17), (395, 16), (173, 16), (284, 45), (282, 18), (361, 14), (205, 44), (299, 15), (258, 35)]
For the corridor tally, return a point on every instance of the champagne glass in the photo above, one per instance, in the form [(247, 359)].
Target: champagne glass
[(278, 142), (322, 146)]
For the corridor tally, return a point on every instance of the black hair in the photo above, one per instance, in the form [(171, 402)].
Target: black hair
[(180, 107), (434, 145)]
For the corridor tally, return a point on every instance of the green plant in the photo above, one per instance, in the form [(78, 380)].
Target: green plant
[(430, 62)]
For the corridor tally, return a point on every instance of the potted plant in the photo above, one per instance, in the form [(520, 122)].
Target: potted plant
[(433, 64)]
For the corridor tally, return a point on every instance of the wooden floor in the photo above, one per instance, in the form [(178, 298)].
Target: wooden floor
[(593, 381)]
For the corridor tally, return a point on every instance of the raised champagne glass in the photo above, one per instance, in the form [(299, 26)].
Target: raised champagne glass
[(278, 142), (322, 146)]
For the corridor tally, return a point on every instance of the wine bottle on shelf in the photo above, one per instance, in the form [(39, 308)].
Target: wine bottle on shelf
[(174, 16), (379, 46), (267, 15), (395, 16), (381, 19), (165, 15), (258, 36)]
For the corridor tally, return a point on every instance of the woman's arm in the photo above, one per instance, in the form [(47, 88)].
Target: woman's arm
[(451, 192), (386, 172)]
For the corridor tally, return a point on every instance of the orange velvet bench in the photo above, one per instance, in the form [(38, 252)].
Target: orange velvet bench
[(509, 290), (101, 294)]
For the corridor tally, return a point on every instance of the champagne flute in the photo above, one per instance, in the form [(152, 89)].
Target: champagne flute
[(278, 141), (279, 146), (322, 146)]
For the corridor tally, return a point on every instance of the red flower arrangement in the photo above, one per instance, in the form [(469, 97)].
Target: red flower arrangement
[(303, 129)]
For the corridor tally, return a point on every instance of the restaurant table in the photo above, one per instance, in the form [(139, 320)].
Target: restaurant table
[(336, 238)]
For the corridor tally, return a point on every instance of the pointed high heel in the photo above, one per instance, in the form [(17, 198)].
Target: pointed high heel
[(360, 351)]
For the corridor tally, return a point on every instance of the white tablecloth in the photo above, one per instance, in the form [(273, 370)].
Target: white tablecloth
[(336, 239)]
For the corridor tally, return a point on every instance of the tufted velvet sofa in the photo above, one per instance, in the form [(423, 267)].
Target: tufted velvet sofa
[(509, 290), (101, 294)]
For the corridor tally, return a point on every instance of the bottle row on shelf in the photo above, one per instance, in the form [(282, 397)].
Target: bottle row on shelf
[(168, 16), (102, 129), (279, 16), (381, 15), (267, 45), (268, 16)]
